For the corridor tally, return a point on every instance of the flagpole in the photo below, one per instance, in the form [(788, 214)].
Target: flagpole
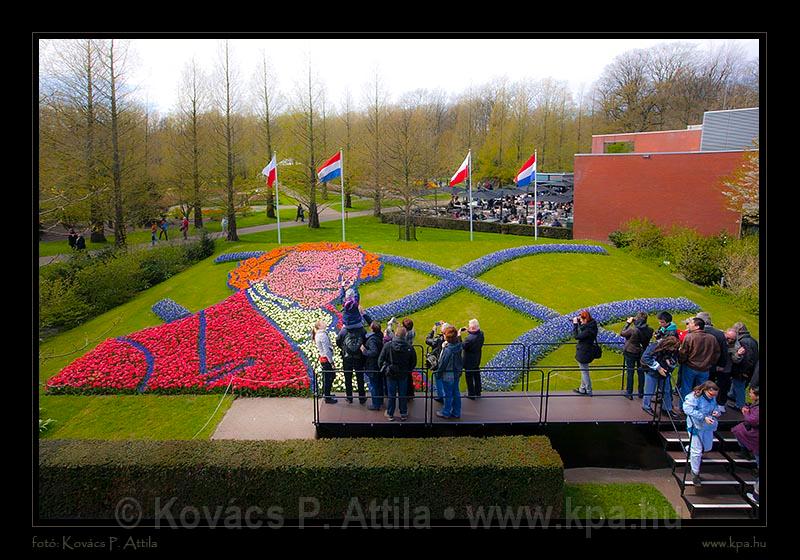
[(277, 197), (470, 194), (535, 197), (341, 181)]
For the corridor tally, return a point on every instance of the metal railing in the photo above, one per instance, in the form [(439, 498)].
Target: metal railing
[(522, 373)]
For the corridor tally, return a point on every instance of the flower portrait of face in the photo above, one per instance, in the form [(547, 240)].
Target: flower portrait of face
[(314, 278)]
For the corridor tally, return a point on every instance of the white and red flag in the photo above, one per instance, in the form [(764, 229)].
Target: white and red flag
[(270, 171), (462, 173)]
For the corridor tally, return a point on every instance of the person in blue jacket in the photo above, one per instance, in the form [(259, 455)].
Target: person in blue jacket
[(700, 407), (660, 359), (449, 371)]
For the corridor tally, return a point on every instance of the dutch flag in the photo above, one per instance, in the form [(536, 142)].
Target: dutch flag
[(331, 168), (527, 172)]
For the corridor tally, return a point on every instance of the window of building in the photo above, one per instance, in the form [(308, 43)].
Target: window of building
[(618, 147)]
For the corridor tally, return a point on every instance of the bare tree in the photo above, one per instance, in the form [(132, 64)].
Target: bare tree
[(376, 114), (347, 119), (268, 105), (227, 104), (404, 155), (192, 104), (114, 65), (301, 180), (69, 95)]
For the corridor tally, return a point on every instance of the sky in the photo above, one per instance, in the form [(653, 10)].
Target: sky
[(452, 65)]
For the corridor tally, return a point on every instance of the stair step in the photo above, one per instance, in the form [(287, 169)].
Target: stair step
[(717, 478), (727, 437), (675, 440), (717, 502), (745, 476), (740, 459), (710, 458)]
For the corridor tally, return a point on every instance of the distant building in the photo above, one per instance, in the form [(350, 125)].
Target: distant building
[(671, 177)]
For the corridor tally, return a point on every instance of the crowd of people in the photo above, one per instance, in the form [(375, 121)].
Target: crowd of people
[(714, 369), (386, 360), (508, 209)]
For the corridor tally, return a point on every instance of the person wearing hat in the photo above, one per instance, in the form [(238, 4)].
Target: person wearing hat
[(698, 353)]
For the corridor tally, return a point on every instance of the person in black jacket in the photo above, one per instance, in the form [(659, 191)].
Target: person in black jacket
[(371, 349), (471, 357), (435, 343), (350, 343), (72, 238), (721, 372), (744, 360), (401, 360), (584, 329), (637, 334)]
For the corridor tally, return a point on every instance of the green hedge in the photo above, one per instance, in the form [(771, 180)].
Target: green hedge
[(485, 227), (86, 286), (85, 479)]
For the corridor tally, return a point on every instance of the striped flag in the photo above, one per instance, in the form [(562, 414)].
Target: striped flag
[(270, 171), (462, 173), (527, 172), (331, 168)]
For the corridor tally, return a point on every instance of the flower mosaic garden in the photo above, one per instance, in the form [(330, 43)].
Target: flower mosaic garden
[(258, 340)]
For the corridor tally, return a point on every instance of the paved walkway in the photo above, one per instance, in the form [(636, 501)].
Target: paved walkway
[(277, 418), (327, 215)]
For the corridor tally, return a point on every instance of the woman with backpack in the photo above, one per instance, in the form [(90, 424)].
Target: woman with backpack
[(397, 361), (584, 329)]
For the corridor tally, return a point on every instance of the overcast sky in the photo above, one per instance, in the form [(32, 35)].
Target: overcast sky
[(404, 64)]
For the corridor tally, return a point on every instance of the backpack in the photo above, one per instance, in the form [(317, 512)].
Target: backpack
[(597, 352), (644, 340), (390, 369), (352, 344)]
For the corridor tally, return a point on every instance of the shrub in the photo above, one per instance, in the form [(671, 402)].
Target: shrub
[(60, 305), (695, 256), (200, 249), (646, 239), (86, 479), (157, 266), (740, 265), (619, 238)]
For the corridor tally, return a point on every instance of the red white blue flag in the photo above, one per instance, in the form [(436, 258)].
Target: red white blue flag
[(331, 168), (527, 172)]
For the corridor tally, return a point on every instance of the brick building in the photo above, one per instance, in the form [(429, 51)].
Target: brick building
[(672, 177)]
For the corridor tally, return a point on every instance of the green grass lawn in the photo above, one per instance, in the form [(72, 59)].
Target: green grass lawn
[(563, 282), (616, 501)]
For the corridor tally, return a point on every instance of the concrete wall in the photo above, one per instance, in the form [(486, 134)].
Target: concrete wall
[(682, 189)]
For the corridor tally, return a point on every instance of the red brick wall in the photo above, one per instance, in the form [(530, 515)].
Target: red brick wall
[(668, 189), (667, 141)]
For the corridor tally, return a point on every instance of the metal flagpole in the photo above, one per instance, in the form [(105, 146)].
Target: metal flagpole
[(341, 181), (470, 193), (277, 198), (535, 197)]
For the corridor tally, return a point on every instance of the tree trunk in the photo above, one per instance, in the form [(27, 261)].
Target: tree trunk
[(348, 199), (270, 202), (119, 223), (95, 215), (198, 210), (313, 216)]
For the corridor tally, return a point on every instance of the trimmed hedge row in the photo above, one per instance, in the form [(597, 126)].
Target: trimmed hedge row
[(85, 479), (485, 227)]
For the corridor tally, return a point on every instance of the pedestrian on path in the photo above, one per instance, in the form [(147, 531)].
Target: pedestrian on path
[(163, 231), (300, 214), (153, 229), (185, 227)]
